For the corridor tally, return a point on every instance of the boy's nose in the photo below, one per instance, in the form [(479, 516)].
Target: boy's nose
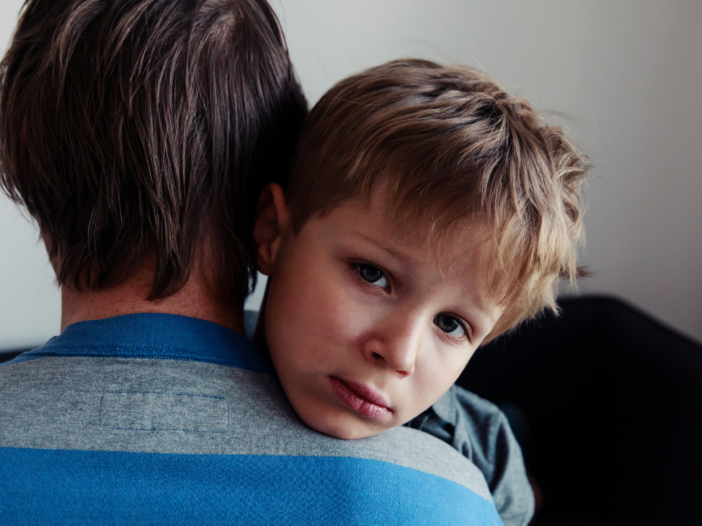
[(395, 344)]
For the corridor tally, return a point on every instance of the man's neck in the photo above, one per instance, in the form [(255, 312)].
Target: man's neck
[(194, 300)]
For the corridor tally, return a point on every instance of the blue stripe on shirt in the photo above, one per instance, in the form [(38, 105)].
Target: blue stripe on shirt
[(78, 487)]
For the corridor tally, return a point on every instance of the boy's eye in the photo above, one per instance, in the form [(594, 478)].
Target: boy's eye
[(450, 325), (372, 275)]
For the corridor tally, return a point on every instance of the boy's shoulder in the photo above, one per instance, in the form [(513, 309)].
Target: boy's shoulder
[(480, 431), (462, 417)]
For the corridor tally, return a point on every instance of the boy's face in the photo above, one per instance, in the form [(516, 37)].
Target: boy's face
[(366, 328)]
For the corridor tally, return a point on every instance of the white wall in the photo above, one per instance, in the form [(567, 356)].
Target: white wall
[(626, 74), (29, 301)]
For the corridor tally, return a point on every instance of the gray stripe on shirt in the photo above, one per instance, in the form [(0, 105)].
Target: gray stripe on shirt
[(163, 406)]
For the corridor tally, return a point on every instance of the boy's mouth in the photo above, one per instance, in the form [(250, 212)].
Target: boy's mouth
[(361, 398)]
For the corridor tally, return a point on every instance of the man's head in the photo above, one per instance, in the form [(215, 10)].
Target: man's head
[(137, 130), (428, 212)]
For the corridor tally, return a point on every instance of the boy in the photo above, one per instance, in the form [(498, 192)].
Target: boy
[(427, 213)]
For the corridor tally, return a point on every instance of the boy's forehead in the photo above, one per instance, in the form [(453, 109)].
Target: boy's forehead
[(420, 235), (428, 230)]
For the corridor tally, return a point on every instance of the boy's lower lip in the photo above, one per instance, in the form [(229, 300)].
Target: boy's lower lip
[(348, 393)]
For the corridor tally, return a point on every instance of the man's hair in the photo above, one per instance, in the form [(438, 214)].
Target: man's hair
[(133, 129), (447, 144)]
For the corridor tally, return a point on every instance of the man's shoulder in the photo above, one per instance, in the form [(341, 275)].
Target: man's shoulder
[(210, 427), (189, 407)]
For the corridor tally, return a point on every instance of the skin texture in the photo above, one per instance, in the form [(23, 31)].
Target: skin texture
[(367, 327), (195, 299)]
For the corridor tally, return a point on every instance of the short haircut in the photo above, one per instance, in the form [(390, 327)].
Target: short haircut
[(450, 144), (139, 128)]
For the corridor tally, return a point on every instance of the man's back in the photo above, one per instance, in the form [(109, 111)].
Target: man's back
[(167, 419)]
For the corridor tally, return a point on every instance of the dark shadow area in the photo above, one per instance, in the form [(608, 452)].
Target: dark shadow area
[(613, 405), (6, 356)]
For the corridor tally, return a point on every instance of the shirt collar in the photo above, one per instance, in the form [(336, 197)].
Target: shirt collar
[(157, 336)]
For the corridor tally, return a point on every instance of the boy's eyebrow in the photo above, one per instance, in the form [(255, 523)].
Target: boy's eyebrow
[(405, 258)]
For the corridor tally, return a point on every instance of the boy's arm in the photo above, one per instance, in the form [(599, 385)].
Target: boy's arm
[(480, 431)]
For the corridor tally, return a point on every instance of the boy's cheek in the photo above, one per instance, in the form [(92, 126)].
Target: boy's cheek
[(434, 375), (306, 316)]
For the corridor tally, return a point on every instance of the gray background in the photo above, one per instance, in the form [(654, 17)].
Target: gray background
[(622, 77)]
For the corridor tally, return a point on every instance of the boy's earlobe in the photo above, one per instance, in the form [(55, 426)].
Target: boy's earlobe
[(272, 221)]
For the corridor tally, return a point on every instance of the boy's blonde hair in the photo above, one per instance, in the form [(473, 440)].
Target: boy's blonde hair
[(448, 144)]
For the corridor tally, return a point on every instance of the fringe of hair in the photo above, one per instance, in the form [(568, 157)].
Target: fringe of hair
[(449, 144)]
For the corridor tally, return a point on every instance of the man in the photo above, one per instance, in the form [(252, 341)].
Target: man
[(138, 134)]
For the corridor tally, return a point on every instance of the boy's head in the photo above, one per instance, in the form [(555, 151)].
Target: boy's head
[(137, 130), (428, 211)]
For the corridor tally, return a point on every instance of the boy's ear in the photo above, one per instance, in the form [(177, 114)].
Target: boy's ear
[(271, 224)]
